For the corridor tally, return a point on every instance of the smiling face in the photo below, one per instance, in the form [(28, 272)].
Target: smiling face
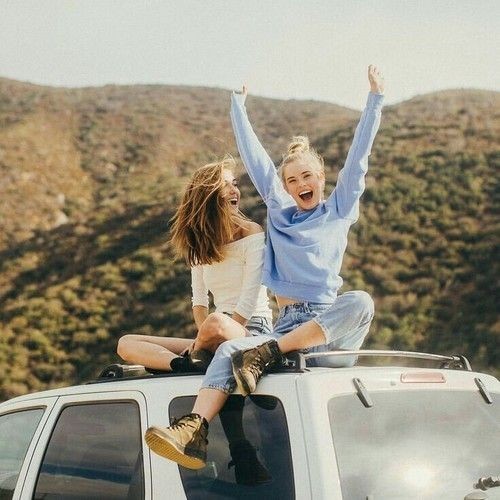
[(305, 182), (230, 191)]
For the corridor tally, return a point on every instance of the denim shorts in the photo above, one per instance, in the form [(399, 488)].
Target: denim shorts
[(257, 325), (294, 315), (349, 314)]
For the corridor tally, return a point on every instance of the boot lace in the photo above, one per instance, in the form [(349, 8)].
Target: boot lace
[(256, 367), (179, 423)]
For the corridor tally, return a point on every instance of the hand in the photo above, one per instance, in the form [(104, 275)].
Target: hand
[(376, 80), (244, 92)]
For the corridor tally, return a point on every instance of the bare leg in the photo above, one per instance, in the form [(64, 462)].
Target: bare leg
[(306, 335), (158, 352), (217, 328), (209, 402), (153, 352)]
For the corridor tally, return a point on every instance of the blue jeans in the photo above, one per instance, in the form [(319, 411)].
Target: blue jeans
[(344, 322)]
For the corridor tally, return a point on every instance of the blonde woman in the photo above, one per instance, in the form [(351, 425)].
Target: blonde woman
[(225, 251)]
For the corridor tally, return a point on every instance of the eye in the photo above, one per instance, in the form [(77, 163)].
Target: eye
[(306, 176), (291, 181), (235, 183)]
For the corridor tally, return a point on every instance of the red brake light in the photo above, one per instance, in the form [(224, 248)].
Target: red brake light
[(422, 377)]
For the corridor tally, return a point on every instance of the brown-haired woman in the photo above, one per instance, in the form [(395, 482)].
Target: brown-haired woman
[(225, 251)]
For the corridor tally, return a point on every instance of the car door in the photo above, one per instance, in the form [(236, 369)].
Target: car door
[(21, 425), (91, 447)]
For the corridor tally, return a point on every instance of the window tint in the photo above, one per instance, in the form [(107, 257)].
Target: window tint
[(16, 432), (414, 445), (248, 452), (95, 452)]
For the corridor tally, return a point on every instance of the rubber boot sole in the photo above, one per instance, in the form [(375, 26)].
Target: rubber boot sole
[(161, 445)]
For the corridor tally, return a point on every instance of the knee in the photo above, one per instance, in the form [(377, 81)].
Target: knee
[(212, 327), (364, 305), (124, 348)]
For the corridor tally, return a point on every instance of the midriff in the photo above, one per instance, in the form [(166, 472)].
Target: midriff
[(285, 301)]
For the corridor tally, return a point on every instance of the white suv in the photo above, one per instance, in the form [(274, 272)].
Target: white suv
[(361, 433)]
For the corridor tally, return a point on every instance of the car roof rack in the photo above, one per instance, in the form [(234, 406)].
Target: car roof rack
[(453, 362), (295, 362)]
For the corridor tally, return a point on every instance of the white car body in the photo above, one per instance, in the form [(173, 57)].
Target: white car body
[(318, 456)]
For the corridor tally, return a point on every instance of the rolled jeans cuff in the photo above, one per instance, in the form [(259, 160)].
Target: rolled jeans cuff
[(227, 388)]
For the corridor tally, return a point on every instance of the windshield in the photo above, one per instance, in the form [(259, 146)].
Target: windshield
[(415, 444)]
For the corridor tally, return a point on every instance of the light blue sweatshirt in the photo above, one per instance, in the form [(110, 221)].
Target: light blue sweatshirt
[(305, 249)]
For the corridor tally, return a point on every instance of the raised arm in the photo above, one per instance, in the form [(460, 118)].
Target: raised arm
[(351, 179), (258, 164)]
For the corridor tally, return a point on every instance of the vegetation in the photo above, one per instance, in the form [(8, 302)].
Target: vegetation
[(90, 178)]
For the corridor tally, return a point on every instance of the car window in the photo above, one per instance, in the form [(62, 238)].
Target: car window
[(248, 452), (16, 432), (413, 445), (95, 452)]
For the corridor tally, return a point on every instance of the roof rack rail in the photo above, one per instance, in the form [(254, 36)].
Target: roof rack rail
[(453, 362), (295, 362)]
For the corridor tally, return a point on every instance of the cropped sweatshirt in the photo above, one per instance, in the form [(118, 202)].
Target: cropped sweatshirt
[(305, 249)]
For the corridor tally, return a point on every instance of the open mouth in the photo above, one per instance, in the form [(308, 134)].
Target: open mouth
[(233, 201), (306, 195)]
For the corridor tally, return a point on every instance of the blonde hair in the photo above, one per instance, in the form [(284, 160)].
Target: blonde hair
[(204, 221), (297, 149)]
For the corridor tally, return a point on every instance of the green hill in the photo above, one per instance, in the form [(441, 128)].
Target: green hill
[(90, 178)]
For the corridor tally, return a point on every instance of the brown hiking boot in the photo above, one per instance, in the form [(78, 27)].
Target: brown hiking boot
[(184, 442), (249, 365)]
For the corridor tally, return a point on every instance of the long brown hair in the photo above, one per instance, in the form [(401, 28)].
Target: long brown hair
[(204, 221)]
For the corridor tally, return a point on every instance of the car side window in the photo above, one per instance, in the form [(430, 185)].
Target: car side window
[(95, 452), (16, 432), (249, 453)]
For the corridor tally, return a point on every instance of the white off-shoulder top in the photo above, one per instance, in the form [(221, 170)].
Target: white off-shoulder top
[(235, 283)]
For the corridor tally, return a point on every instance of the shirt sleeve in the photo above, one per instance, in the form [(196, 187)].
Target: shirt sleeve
[(351, 179), (198, 287), (258, 164), (252, 278)]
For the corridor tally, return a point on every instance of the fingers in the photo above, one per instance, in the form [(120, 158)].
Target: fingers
[(243, 91), (373, 70)]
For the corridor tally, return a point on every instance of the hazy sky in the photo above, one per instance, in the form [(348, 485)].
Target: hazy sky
[(300, 49)]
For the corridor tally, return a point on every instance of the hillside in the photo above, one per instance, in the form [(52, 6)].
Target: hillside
[(90, 178)]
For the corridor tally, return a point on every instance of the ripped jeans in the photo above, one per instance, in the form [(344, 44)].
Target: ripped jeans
[(345, 324)]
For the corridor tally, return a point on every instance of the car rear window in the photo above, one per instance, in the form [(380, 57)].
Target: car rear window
[(16, 432), (415, 444), (248, 452), (94, 452)]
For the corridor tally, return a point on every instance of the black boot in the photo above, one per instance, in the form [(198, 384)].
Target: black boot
[(248, 469)]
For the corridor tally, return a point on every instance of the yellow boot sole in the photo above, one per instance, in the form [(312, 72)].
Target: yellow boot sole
[(160, 443)]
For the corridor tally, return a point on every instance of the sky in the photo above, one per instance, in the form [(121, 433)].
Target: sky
[(300, 49)]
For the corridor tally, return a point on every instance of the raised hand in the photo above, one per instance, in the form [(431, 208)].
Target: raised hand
[(376, 80), (243, 91)]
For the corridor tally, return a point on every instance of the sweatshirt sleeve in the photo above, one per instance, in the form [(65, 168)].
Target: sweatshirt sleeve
[(198, 287), (351, 179), (258, 164), (252, 278)]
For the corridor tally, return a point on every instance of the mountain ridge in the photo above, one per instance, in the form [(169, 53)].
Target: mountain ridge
[(90, 178)]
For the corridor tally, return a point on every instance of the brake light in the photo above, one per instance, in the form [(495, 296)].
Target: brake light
[(422, 378)]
